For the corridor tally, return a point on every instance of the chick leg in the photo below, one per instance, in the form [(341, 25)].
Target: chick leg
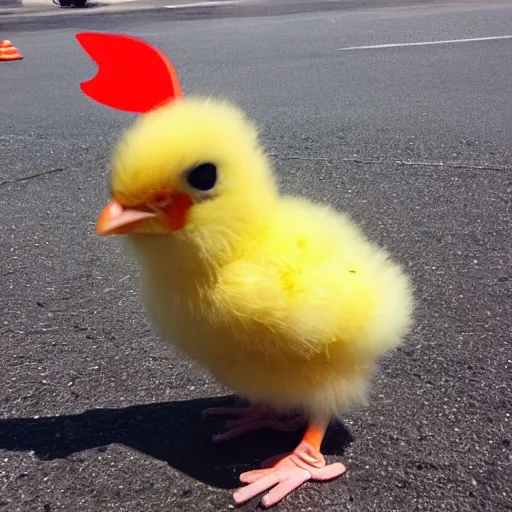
[(256, 417), (286, 473)]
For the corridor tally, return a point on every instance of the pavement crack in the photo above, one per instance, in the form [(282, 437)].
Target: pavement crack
[(31, 176), (407, 163)]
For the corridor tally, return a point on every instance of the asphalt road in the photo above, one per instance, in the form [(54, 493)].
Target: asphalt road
[(413, 142)]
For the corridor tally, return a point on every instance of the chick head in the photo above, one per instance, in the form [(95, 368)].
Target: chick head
[(193, 169)]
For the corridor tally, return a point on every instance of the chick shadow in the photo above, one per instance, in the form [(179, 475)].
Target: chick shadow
[(173, 432)]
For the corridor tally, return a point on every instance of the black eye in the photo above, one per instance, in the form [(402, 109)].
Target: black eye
[(203, 177)]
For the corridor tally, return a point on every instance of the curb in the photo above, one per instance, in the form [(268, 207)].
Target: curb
[(17, 15), (44, 12)]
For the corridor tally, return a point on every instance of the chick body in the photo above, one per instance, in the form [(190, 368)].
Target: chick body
[(295, 321)]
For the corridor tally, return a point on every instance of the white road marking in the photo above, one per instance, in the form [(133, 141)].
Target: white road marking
[(213, 3), (426, 43)]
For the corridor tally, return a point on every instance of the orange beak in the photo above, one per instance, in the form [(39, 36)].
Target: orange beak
[(115, 219)]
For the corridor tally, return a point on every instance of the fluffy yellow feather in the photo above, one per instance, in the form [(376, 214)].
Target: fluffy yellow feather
[(284, 301)]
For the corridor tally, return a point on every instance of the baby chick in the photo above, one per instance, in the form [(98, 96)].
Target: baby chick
[(284, 301)]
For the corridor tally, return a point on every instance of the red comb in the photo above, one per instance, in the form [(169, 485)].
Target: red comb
[(133, 75)]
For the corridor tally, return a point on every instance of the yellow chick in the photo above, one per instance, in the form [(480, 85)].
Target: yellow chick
[(284, 301)]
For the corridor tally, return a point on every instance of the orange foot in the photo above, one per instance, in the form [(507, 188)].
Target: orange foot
[(250, 419), (286, 473)]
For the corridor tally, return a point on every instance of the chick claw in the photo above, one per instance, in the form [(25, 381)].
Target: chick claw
[(250, 419), (287, 473)]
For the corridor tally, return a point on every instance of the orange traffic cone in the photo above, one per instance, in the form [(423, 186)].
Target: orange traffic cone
[(8, 51)]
